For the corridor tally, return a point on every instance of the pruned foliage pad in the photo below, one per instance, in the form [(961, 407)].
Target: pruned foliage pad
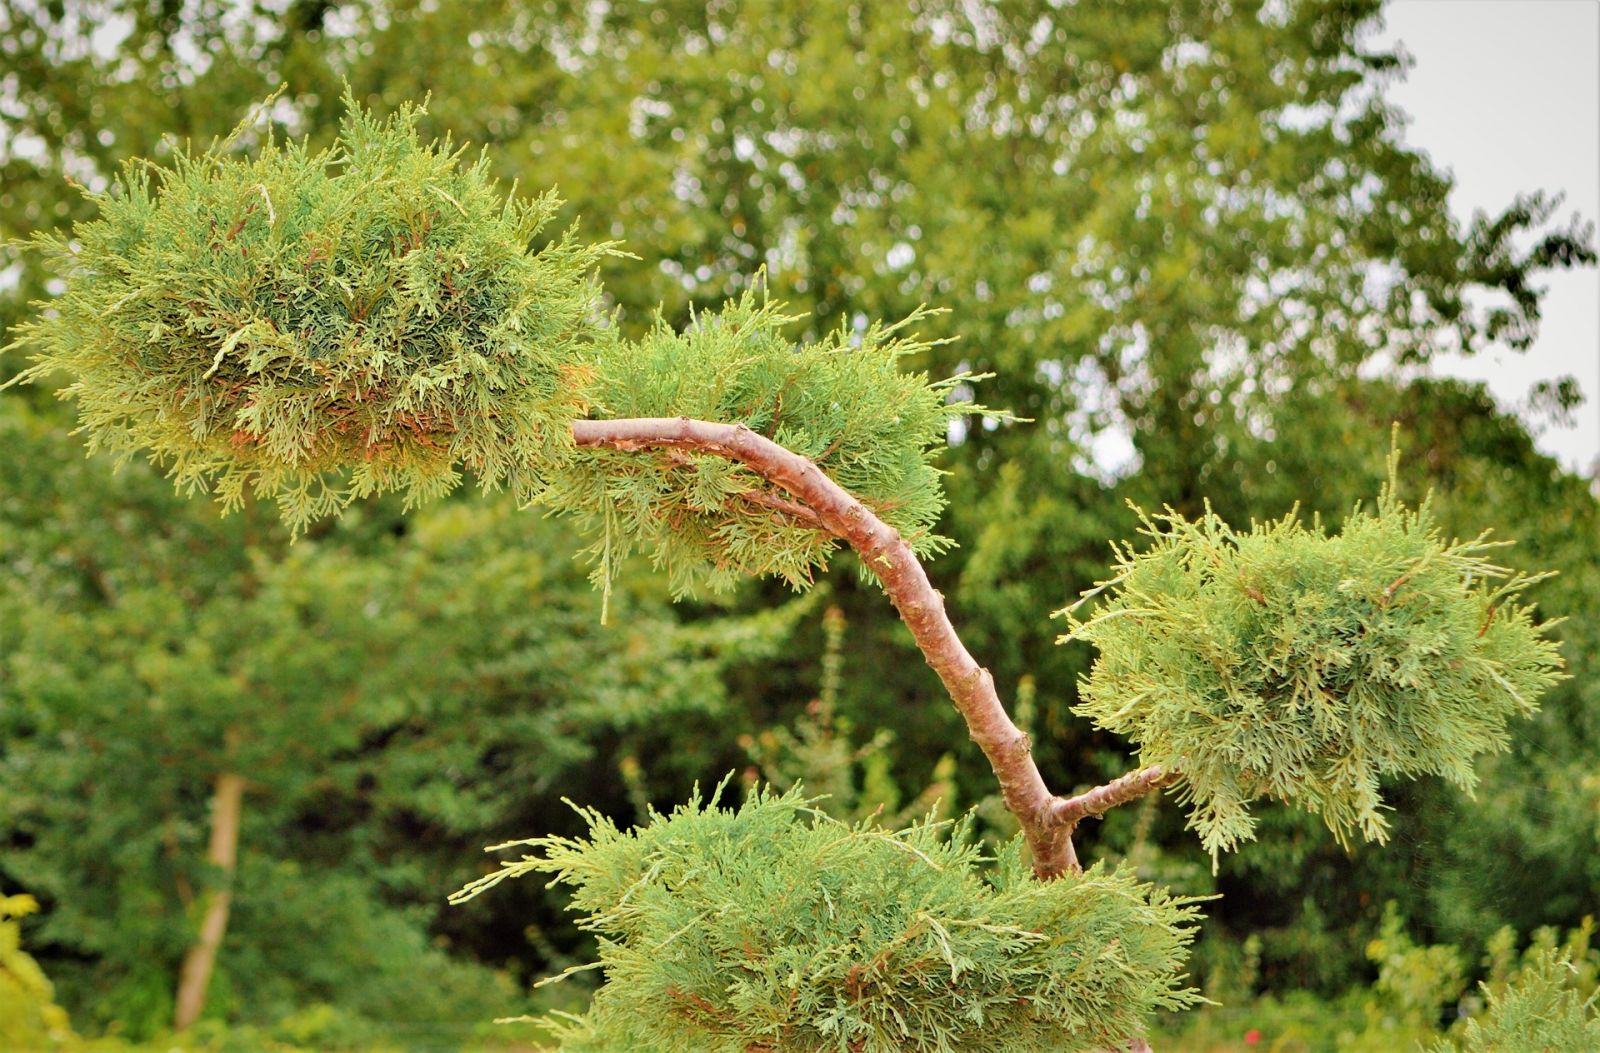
[(320, 326), (842, 401), (773, 927), (1283, 662)]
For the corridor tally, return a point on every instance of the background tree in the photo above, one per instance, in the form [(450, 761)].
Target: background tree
[(352, 712)]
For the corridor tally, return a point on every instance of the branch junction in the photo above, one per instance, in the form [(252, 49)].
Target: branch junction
[(1048, 821)]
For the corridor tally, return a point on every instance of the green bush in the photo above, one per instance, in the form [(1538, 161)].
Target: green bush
[(1287, 663), (1549, 1002), (774, 927), (842, 401)]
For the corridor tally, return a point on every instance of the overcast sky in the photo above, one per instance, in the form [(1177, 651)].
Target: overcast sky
[(1506, 95)]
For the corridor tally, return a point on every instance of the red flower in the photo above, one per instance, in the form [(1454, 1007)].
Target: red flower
[(1251, 1037)]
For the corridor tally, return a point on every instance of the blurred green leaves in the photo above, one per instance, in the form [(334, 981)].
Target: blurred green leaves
[(390, 691)]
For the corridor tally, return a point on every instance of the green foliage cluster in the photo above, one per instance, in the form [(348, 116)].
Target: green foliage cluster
[(1413, 981), (1285, 662), (1530, 1001), (1539, 1011), (327, 326), (1544, 1000), (29, 1017), (322, 326), (774, 927), (842, 401)]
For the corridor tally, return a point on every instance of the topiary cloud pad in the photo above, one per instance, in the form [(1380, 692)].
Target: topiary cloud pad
[(321, 326), (1289, 663), (773, 927)]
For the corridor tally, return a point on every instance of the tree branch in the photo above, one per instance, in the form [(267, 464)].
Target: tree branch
[(921, 606), (792, 509), (1068, 811)]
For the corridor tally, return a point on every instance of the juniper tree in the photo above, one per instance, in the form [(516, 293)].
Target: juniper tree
[(1154, 220), (316, 327)]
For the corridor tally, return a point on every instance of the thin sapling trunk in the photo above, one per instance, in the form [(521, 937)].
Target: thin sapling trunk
[(199, 962)]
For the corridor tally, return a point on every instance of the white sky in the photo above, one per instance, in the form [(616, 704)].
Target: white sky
[(1506, 95)]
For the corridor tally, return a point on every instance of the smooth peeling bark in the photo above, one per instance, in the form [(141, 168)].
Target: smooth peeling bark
[(921, 606), (199, 962), (1091, 804)]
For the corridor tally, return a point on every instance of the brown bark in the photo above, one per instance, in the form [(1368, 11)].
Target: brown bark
[(921, 607), (1067, 812), (1096, 802), (227, 801), (1047, 821)]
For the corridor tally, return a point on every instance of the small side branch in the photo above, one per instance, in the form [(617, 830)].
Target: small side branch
[(1069, 811), (796, 511), (921, 606), (793, 509)]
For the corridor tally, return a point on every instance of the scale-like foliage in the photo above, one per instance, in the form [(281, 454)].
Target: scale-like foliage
[(842, 401), (1288, 663), (1538, 1012), (773, 927), (325, 326), (321, 326)]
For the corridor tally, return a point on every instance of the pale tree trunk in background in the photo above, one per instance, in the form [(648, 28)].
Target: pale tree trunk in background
[(227, 800)]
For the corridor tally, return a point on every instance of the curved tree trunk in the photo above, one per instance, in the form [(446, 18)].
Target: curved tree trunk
[(1048, 821), (227, 801)]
